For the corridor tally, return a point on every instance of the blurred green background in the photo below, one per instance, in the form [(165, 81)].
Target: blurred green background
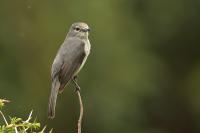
[(142, 76)]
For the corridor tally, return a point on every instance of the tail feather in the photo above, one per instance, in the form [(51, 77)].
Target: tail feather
[(53, 98)]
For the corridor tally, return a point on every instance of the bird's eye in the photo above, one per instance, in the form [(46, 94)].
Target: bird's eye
[(77, 29)]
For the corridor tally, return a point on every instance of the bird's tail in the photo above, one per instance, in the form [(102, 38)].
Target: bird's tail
[(53, 98)]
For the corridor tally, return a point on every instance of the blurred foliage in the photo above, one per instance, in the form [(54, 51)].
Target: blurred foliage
[(143, 73), (17, 125), (2, 102)]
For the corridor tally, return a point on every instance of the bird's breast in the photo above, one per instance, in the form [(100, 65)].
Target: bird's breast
[(87, 47)]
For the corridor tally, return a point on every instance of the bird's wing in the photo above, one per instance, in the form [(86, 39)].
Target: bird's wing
[(71, 57)]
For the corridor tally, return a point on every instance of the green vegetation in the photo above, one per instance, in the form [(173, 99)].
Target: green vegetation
[(18, 125)]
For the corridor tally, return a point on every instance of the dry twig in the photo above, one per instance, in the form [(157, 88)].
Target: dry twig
[(80, 103), (81, 111)]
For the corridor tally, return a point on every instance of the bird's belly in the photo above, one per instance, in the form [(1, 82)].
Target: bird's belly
[(84, 60), (87, 52)]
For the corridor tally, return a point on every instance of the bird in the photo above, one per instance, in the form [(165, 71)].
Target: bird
[(68, 62)]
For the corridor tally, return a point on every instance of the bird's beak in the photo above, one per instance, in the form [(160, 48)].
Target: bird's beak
[(86, 30)]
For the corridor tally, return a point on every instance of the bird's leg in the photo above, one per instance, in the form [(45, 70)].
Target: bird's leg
[(78, 88), (75, 78)]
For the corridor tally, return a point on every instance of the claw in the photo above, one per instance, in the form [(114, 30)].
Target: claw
[(78, 88)]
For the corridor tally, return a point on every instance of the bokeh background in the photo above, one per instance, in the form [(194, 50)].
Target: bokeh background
[(143, 73)]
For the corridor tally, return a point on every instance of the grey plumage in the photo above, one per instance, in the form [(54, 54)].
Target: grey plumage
[(69, 60)]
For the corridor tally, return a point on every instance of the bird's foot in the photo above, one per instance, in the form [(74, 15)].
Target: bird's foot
[(78, 88), (75, 78)]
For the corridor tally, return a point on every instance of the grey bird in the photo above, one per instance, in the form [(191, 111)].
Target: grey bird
[(68, 62)]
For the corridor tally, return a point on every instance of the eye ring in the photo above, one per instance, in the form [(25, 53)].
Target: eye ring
[(77, 28)]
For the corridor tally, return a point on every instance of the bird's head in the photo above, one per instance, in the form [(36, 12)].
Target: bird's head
[(79, 29)]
